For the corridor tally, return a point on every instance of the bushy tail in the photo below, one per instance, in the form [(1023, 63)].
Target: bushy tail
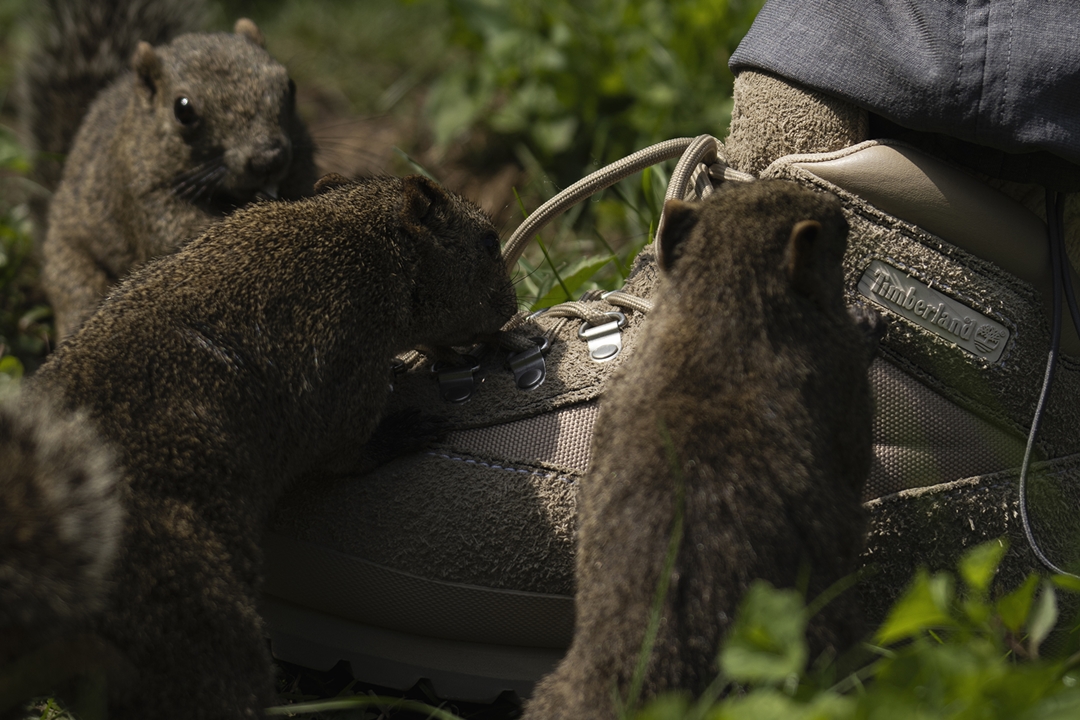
[(60, 522), (82, 45)]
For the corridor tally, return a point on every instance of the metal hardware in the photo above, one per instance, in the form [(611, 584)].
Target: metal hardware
[(605, 341), (457, 382), (529, 366)]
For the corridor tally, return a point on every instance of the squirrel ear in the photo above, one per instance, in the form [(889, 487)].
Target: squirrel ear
[(147, 66), (250, 30), (678, 220), (329, 182), (420, 194), (802, 255)]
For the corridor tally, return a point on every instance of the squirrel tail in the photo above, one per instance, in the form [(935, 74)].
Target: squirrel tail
[(80, 47), (60, 519)]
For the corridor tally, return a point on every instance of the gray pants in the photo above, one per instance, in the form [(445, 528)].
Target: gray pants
[(1000, 74)]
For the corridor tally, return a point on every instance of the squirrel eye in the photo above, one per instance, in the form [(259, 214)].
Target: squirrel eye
[(490, 242), (184, 111)]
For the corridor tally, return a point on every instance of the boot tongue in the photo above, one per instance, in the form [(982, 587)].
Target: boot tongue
[(644, 274)]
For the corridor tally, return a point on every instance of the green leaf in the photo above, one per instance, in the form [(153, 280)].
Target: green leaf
[(767, 643), (1014, 607), (761, 705), (453, 106), (665, 707), (555, 136), (11, 372), (10, 366), (978, 565), (924, 606), (414, 164), (357, 702), (581, 273), (1067, 582), (1044, 617), (977, 611), (1063, 706), (769, 704), (828, 706)]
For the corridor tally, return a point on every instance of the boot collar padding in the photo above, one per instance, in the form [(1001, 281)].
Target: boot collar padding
[(925, 191)]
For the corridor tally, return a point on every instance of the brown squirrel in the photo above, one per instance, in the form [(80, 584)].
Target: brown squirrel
[(79, 48), (196, 128), (256, 354), (60, 520), (746, 412)]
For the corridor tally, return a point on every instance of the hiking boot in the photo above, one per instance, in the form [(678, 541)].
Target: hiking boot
[(456, 564), (958, 264)]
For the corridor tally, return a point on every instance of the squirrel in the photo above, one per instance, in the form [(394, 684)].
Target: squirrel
[(197, 127), (60, 520), (744, 418), (257, 354)]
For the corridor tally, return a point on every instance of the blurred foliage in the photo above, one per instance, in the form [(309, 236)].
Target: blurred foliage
[(25, 318), (359, 58), (565, 86), (943, 652), (579, 81), (14, 36), (556, 88), (25, 327)]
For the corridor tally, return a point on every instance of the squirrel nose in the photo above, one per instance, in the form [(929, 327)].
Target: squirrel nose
[(271, 158)]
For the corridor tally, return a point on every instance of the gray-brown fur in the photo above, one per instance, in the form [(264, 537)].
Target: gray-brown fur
[(60, 519), (80, 47), (145, 174), (258, 353), (60, 523), (752, 366)]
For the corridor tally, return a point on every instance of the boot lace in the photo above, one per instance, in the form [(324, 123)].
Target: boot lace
[(701, 165)]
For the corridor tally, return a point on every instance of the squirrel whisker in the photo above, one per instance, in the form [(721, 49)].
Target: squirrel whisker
[(190, 184)]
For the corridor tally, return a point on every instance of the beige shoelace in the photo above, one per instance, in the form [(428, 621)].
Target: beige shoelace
[(701, 164)]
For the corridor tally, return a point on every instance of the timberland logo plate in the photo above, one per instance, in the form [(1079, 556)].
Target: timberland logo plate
[(930, 309)]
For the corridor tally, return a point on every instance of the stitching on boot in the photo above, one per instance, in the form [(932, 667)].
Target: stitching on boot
[(473, 461)]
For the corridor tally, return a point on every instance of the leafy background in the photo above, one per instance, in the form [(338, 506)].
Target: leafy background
[(508, 102)]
